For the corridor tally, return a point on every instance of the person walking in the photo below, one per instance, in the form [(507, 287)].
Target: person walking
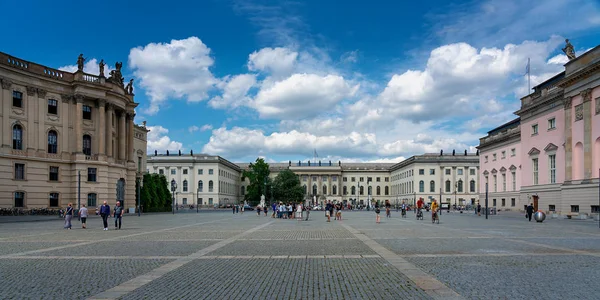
[(274, 208), (104, 213), (266, 209), (118, 214), (83, 214), (479, 209), (530, 211), (68, 216), (377, 211), (233, 209)]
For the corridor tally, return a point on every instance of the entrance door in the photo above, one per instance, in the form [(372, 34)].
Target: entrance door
[(121, 191), (535, 202)]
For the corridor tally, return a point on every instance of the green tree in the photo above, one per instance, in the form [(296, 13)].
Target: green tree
[(155, 193), (164, 192), (286, 187), (257, 174)]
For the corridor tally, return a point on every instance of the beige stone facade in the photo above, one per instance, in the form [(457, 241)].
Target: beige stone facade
[(55, 125)]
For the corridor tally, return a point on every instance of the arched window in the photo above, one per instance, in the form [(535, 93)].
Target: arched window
[(460, 186), (345, 190), (432, 186), (52, 142), (353, 190), (185, 186), (387, 190), (87, 145), (305, 187), (314, 189), (448, 186), (210, 186), (243, 190), (200, 186), (369, 190), (378, 190), (324, 190), (472, 186), (17, 137), (334, 190), (362, 190), (421, 186)]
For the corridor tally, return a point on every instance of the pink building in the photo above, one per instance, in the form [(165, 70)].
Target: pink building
[(557, 157)]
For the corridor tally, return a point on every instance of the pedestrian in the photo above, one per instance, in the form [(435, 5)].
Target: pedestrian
[(307, 208), (233, 209), (83, 214), (68, 216), (328, 211), (118, 214), (479, 209), (104, 213), (258, 210), (529, 211), (266, 209), (377, 211), (274, 208), (237, 209), (242, 208)]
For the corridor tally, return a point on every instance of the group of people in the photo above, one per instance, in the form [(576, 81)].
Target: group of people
[(330, 208), (104, 212), (283, 211)]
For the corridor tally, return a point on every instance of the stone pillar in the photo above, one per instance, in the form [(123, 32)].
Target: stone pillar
[(442, 186), (130, 117), (101, 127), (122, 140), (6, 103), (568, 140), (41, 129), (65, 113), (78, 123), (30, 113), (109, 130), (586, 96)]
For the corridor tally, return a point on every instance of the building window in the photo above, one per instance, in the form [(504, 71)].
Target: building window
[(345, 179), (504, 182), (378, 191), (17, 99), (459, 171), (210, 201), (494, 157), (87, 112), (184, 201), (486, 158), (185, 171), (334, 178), (421, 186), (210, 171), (472, 172), (421, 171), (460, 186), (210, 186), (535, 170), (495, 183), (353, 190), (91, 175), (87, 145), (334, 190), (552, 124), (494, 202), (448, 186), (503, 202), (514, 181), (378, 179), (17, 137), (353, 179), (362, 190), (345, 190), (52, 106), (200, 171), (513, 152), (362, 179), (53, 176), (552, 164), (575, 208), (431, 171), (91, 200), (185, 185), (324, 178), (161, 172), (52, 142), (513, 202), (534, 129), (503, 154), (432, 186), (387, 190), (139, 164), (387, 179), (552, 207), (324, 190), (304, 178), (173, 172), (201, 186), (472, 186), (19, 171), (19, 199), (595, 209), (53, 199), (448, 171)]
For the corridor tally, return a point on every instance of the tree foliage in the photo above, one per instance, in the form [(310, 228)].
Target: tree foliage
[(258, 175), (155, 194), (287, 188)]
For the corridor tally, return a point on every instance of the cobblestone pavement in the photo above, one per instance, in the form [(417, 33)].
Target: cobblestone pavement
[(217, 255)]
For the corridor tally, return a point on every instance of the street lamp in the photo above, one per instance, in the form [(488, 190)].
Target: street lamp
[(455, 191), (173, 189), (139, 197), (197, 197)]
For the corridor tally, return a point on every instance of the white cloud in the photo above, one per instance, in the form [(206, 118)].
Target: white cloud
[(235, 91), (302, 95), (193, 128), (277, 61), (158, 140), (206, 127), (90, 66), (349, 57), (179, 69)]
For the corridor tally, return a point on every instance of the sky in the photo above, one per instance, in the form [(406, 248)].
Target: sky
[(356, 81)]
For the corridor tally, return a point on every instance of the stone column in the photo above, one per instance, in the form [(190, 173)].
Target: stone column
[(6, 102), (64, 113), (130, 117), (78, 122), (109, 130), (30, 113), (122, 140), (442, 180), (568, 140), (586, 96), (41, 129), (101, 127)]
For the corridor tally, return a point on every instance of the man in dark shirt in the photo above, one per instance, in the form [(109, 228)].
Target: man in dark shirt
[(104, 213), (530, 211), (118, 214)]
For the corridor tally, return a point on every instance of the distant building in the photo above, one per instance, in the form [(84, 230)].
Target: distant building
[(55, 125), (557, 157)]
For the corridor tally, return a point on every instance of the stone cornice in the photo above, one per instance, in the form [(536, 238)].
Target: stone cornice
[(579, 74), (540, 102)]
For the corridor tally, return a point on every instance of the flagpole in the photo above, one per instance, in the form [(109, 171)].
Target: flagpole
[(528, 76)]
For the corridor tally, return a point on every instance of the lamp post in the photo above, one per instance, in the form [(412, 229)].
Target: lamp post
[(78, 194), (369, 191), (455, 191), (358, 193), (197, 197), (139, 196), (173, 189)]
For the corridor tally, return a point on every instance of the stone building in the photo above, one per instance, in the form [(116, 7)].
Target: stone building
[(557, 158), (57, 125)]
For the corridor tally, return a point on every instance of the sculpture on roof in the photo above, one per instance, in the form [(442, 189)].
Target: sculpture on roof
[(80, 62), (101, 67), (569, 50), (465, 152), (129, 87), (115, 75)]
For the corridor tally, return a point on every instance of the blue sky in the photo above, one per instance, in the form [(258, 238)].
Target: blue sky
[(355, 80)]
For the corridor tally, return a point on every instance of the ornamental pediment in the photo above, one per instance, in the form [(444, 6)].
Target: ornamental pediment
[(512, 167), (503, 169), (494, 171), (551, 147), (486, 173), (534, 151)]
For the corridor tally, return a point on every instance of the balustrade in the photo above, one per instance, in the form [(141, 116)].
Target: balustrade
[(91, 78), (17, 63), (53, 73)]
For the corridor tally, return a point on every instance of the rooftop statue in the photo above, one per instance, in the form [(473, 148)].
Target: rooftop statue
[(101, 67), (129, 87), (115, 75), (80, 62), (569, 50)]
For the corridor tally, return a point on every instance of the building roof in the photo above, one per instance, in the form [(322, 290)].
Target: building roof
[(510, 124), (459, 157)]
